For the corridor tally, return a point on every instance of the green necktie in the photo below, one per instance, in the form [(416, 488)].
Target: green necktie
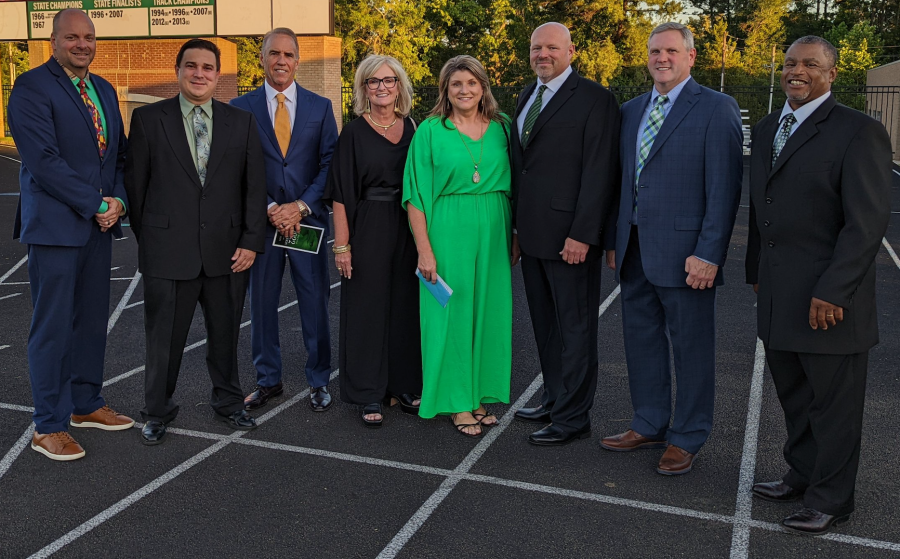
[(201, 134), (532, 116), (654, 123)]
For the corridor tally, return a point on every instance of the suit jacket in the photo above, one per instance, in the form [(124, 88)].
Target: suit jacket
[(301, 175), (689, 188), (62, 178), (564, 183), (817, 218), (180, 225)]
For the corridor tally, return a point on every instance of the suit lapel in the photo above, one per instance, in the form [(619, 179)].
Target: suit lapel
[(221, 135), (764, 141), (260, 106), (631, 120), (683, 105), (111, 130), (523, 98), (807, 130), (302, 113), (173, 124), (558, 100), (66, 83)]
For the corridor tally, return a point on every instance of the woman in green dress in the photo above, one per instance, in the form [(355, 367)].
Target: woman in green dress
[(456, 189)]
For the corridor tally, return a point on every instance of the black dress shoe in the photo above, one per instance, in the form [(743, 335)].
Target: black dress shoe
[(153, 432), (551, 435), (240, 420), (810, 522), (405, 401), (777, 491), (261, 396), (319, 398), (533, 415)]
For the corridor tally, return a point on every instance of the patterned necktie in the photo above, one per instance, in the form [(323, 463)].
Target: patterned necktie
[(531, 117), (95, 116), (654, 123), (201, 139), (783, 136), (282, 125)]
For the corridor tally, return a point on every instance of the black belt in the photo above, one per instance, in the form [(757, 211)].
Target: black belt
[(381, 194)]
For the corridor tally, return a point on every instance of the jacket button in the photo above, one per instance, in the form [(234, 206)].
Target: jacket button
[(524, 171), (203, 226), (282, 190), (771, 243), (768, 200), (203, 197), (285, 164), (766, 223)]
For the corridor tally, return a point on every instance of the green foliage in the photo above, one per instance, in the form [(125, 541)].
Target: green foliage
[(250, 70), (19, 52)]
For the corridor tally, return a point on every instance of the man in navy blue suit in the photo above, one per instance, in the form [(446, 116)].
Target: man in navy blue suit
[(681, 182), (69, 133), (298, 134)]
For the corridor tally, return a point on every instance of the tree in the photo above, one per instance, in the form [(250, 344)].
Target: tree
[(19, 52), (856, 53), (250, 72)]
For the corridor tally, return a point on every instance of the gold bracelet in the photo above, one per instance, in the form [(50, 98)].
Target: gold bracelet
[(340, 249)]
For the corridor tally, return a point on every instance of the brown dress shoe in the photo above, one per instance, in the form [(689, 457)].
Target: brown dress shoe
[(630, 440), (104, 418), (675, 461), (58, 446)]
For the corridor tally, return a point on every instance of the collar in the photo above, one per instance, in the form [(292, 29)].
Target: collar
[(187, 106), (556, 83), (290, 93), (804, 111), (71, 74), (672, 95)]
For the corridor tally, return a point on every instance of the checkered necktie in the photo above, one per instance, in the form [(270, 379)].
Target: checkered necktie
[(783, 135), (531, 117), (201, 137), (654, 123), (95, 116)]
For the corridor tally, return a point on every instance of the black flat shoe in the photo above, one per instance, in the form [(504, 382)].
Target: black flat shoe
[(240, 420), (533, 415), (261, 396), (319, 398), (777, 491), (810, 522), (405, 401), (153, 433), (551, 435), (371, 409)]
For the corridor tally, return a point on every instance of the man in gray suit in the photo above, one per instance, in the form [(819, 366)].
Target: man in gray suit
[(820, 179), (681, 182)]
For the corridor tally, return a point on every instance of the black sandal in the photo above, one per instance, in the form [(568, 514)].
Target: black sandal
[(480, 417), (461, 426), (371, 409), (405, 401)]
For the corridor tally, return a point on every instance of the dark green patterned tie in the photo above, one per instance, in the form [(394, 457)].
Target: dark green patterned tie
[(532, 116)]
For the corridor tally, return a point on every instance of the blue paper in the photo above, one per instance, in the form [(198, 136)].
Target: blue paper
[(440, 290)]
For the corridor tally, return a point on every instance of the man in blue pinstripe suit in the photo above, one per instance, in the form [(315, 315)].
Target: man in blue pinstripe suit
[(681, 181)]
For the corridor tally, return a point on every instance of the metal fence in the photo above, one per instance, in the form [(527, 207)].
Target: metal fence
[(7, 89)]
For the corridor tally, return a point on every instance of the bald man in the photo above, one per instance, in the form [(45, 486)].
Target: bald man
[(69, 134), (565, 177)]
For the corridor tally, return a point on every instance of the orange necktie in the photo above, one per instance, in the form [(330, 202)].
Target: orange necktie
[(282, 125)]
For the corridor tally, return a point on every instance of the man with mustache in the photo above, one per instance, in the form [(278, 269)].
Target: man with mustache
[(820, 179)]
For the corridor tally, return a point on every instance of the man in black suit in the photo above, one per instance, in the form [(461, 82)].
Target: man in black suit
[(819, 206), (565, 178), (197, 187)]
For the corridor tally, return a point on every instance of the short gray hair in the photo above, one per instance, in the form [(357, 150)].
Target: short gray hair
[(686, 34), (830, 51), (279, 31), (367, 69)]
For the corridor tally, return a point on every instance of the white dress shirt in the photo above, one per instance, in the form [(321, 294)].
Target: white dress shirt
[(290, 102), (552, 87), (800, 114)]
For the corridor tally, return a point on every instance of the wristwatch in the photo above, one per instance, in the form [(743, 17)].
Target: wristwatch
[(304, 209)]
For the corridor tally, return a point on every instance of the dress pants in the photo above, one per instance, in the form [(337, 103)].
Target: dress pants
[(822, 397), (652, 317), (67, 341), (168, 312), (309, 273), (564, 302)]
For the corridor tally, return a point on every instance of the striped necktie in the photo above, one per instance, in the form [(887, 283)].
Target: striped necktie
[(95, 116), (654, 123), (201, 139), (783, 136), (531, 117)]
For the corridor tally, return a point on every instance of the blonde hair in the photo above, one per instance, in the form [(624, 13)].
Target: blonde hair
[(367, 69), (489, 106)]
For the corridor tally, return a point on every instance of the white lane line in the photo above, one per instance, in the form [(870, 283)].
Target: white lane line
[(113, 269), (835, 537), (120, 506), (4, 346), (10, 158), (122, 302), (9, 194), (16, 407), (12, 270), (896, 171), (418, 519), (131, 305), (740, 535), (16, 450), (10, 296), (890, 250)]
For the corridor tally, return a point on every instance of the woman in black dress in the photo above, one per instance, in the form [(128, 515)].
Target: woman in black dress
[(375, 254)]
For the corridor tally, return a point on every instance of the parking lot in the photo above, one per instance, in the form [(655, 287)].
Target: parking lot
[(310, 484)]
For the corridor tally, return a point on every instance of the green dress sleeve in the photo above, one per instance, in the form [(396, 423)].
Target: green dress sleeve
[(419, 175)]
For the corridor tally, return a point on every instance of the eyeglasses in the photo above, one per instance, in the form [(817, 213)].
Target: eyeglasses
[(389, 82)]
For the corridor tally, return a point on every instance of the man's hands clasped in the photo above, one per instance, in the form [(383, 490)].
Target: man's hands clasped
[(285, 217), (113, 212)]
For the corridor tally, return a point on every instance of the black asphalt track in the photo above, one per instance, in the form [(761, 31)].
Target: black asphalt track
[(322, 485)]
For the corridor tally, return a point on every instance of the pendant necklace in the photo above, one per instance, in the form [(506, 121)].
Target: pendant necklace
[(384, 127), (476, 176)]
